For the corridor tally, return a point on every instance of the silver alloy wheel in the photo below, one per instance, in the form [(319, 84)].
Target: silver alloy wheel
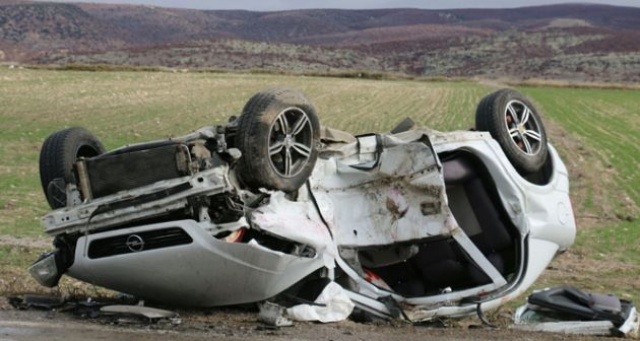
[(523, 127), (290, 142)]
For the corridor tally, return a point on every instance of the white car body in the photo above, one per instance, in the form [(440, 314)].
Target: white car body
[(381, 200)]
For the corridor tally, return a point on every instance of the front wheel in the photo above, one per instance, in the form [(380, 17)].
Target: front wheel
[(59, 153), (278, 134), (515, 123)]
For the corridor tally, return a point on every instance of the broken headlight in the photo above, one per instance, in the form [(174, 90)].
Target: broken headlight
[(46, 269)]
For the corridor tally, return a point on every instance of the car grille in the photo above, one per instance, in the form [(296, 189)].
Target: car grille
[(138, 242)]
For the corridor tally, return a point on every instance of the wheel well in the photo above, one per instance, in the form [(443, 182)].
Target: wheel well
[(542, 176)]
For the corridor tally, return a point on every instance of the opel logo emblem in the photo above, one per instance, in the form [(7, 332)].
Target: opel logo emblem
[(135, 243)]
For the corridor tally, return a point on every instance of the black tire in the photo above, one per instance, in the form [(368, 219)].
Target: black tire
[(278, 135), (514, 122), (57, 156)]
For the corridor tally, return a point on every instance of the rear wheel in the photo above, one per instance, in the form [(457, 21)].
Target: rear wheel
[(278, 134), (57, 156), (515, 123)]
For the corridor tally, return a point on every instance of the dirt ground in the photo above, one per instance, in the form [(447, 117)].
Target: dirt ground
[(239, 324)]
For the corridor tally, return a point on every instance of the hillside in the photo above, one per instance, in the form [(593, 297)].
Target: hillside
[(27, 28), (573, 41)]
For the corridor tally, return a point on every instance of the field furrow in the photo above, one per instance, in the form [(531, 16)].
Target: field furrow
[(608, 123)]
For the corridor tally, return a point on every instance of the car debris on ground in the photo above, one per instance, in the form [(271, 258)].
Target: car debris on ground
[(121, 310), (572, 311)]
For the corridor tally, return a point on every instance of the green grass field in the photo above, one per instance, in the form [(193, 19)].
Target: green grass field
[(596, 131)]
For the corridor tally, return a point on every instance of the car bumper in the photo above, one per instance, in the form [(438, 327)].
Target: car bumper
[(194, 269)]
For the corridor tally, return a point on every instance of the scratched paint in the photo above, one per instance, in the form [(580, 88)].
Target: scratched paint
[(403, 200)]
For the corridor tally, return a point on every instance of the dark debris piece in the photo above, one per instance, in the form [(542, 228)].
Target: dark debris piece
[(42, 302)]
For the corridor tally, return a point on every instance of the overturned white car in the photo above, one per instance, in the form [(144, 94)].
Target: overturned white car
[(414, 223)]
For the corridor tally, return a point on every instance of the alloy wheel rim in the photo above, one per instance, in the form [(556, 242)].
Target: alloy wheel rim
[(290, 142), (523, 127)]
